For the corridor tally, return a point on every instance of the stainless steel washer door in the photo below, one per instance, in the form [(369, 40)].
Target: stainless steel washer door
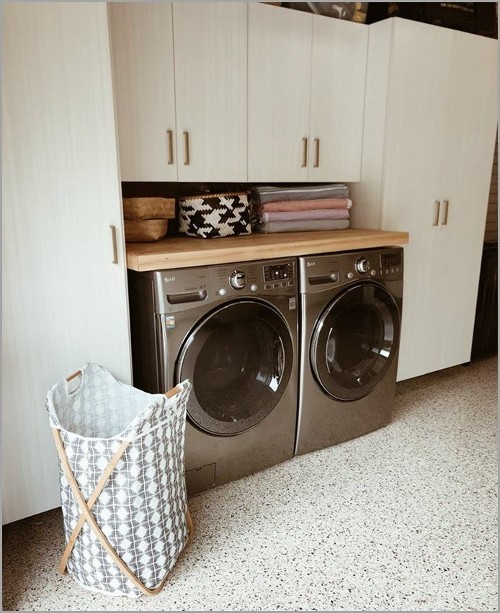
[(355, 340), (239, 359)]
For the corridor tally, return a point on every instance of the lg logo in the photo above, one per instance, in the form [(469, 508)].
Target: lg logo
[(169, 279), (310, 264)]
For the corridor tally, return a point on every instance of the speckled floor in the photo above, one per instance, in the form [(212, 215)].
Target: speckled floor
[(403, 519)]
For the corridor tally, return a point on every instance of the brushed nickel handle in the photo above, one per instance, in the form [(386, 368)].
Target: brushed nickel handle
[(316, 163), (186, 148), (115, 244), (304, 140), (445, 213), (437, 203), (170, 147)]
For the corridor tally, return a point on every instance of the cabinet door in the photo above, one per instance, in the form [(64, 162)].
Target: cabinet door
[(337, 99), (211, 90), (143, 70), (64, 301), (414, 159), (469, 142), (279, 70)]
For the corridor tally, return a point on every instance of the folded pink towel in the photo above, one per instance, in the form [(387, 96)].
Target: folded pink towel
[(312, 214), (307, 205), (304, 225)]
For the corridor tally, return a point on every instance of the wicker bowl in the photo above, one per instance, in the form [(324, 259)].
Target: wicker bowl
[(149, 208), (145, 230)]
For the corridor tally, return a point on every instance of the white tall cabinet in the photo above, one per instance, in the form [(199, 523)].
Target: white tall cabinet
[(430, 125), (64, 301), (180, 73), (306, 85)]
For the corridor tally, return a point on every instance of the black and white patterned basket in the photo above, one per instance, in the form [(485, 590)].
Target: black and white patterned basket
[(214, 215), (142, 508)]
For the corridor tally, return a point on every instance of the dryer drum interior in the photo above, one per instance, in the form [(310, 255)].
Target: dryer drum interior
[(239, 358), (355, 341)]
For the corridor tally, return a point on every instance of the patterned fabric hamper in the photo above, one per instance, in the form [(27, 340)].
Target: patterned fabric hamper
[(123, 491), (214, 215)]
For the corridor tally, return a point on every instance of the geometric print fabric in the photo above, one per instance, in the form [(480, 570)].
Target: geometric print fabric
[(214, 215), (142, 508)]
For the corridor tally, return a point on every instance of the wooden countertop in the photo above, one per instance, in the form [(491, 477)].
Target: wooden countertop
[(181, 252)]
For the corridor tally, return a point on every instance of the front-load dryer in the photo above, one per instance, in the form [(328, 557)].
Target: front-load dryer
[(232, 330), (350, 319)]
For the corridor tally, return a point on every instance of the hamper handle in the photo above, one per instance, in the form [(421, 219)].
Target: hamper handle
[(75, 374), (175, 390), (78, 373)]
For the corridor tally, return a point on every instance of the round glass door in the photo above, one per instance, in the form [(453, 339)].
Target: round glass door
[(239, 359), (355, 341)]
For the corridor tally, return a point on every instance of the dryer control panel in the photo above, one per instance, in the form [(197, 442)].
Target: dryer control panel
[(391, 262), (321, 272)]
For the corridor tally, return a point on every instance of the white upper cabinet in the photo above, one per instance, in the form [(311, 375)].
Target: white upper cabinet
[(306, 85), (430, 125), (211, 90), (181, 90), (232, 91), (338, 73), (143, 71), (279, 78)]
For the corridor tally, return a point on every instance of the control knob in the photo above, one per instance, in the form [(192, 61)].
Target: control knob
[(237, 279), (362, 265)]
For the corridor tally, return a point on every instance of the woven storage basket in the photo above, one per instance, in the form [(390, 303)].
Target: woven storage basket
[(148, 208), (123, 488), (145, 230), (214, 215)]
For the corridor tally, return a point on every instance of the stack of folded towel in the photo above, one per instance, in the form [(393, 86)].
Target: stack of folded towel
[(296, 209)]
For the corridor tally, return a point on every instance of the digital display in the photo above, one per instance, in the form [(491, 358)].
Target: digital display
[(388, 260), (278, 271)]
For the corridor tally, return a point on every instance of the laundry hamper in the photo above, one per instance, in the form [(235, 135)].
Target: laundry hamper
[(123, 491)]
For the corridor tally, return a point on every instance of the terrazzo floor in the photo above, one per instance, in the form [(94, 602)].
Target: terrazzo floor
[(402, 519)]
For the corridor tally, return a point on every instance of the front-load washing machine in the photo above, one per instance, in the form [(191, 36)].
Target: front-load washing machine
[(232, 330), (350, 318)]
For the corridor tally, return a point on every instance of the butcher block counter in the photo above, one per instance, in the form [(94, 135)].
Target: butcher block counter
[(182, 252)]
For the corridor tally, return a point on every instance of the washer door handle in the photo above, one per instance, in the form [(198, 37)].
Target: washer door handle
[(280, 362)]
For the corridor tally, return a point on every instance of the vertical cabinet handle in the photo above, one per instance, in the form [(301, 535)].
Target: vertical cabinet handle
[(170, 147), (186, 148), (437, 204), (316, 142), (304, 159), (115, 244), (445, 213)]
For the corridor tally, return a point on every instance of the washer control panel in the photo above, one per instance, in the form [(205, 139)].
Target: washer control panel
[(278, 275), (362, 265), (237, 279), (184, 289)]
